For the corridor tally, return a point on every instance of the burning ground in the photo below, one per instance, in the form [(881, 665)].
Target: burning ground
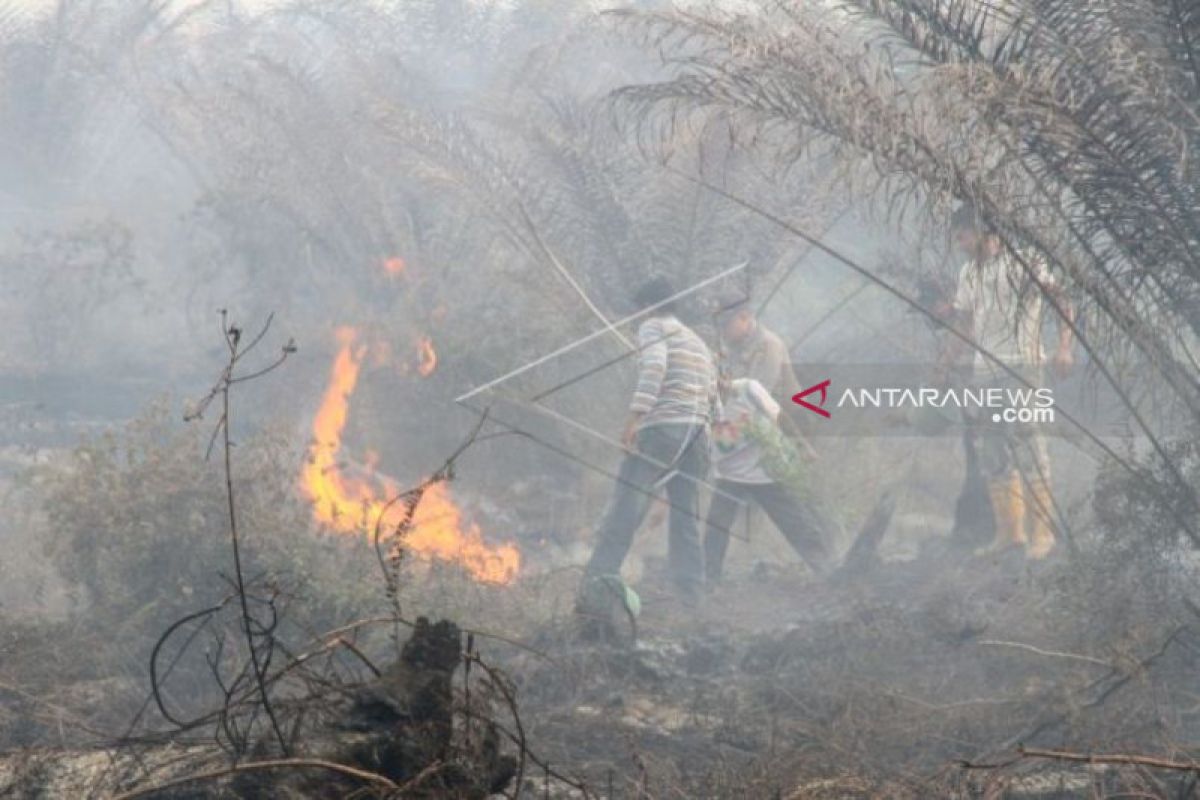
[(873, 689), (366, 506), (920, 672), (283, 561)]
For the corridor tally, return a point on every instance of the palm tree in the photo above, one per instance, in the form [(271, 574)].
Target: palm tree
[(1072, 125)]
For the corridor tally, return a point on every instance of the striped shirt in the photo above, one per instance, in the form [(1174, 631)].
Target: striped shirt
[(677, 381)]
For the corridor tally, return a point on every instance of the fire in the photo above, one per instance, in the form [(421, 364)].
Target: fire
[(353, 505), (428, 356), (394, 266)]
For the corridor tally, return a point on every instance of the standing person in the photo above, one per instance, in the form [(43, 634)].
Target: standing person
[(751, 464), (666, 436), (751, 350), (1001, 307)]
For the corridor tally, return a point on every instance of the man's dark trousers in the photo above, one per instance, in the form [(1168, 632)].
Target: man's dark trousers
[(805, 528), (683, 449)]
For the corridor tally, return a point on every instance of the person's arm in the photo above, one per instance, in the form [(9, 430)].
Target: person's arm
[(768, 366), (763, 400), (652, 367), (1064, 354), (960, 316), (793, 422), (716, 410)]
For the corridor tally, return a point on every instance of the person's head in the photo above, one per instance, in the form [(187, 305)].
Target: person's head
[(655, 292), (972, 234), (735, 316)]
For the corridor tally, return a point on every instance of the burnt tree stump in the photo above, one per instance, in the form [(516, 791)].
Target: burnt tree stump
[(401, 726)]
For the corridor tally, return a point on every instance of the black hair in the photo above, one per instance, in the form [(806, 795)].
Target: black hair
[(654, 292), (731, 302)]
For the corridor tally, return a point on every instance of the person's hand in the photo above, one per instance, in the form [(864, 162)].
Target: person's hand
[(658, 513), (629, 436), (1064, 359)]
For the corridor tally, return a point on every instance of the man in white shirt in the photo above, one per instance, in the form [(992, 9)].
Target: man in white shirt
[(1000, 304)]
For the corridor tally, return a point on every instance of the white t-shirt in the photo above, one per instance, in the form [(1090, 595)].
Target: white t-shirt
[(1007, 308), (736, 456)]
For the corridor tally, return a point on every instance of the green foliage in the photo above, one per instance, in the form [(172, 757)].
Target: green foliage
[(1126, 501), (1069, 126), (781, 458), (137, 522)]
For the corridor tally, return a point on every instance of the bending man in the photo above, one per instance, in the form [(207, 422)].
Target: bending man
[(753, 462)]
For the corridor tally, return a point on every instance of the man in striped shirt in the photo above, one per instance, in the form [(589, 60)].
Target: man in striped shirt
[(666, 436)]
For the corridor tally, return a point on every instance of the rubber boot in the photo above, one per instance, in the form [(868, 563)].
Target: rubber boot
[(1041, 525), (1008, 507)]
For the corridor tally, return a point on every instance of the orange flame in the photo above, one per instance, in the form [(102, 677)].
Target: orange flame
[(394, 266), (350, 505), (428, 356)]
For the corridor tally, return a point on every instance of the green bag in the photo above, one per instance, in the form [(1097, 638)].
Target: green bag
[(781, 458), (602, 593)]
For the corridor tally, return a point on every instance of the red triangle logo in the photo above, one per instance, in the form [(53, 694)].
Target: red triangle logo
[(823, 388)]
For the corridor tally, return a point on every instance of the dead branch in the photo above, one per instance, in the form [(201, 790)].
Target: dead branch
[(1050, 653), (501, 684), (1024, 753), (433, 768), (258, 766), (252, 629)]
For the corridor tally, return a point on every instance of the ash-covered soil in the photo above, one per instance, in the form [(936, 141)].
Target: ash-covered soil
[(780, 685), (881, 684)]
